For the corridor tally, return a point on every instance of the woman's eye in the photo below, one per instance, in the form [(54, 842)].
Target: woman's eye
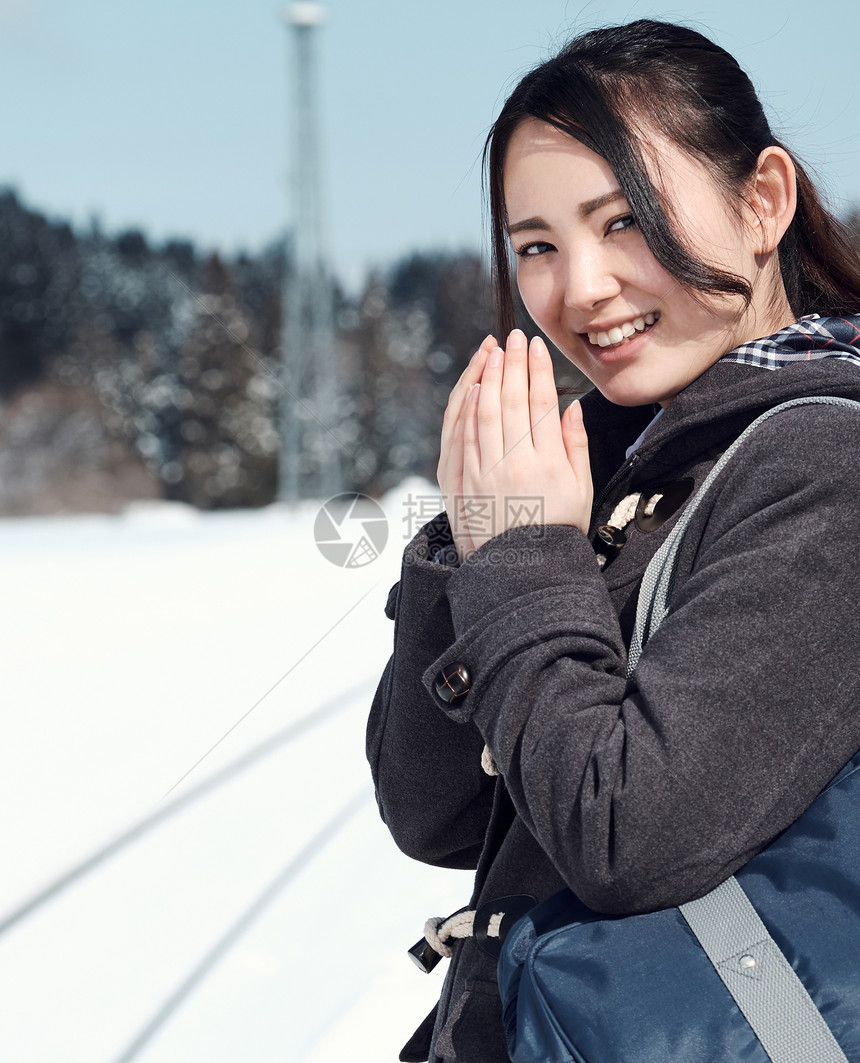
[(618, 225), (531, 250)]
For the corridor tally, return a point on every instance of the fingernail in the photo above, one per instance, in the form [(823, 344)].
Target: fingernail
[(517, 339), (496, 356), (479, 353), (537, 347), (480, 350)]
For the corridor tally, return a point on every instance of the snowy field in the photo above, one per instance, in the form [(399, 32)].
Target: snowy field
[(260, 913)]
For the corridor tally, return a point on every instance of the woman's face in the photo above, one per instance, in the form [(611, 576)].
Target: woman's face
[(589, 280)]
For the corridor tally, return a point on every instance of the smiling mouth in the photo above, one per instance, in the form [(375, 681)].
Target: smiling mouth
[(617, 337)]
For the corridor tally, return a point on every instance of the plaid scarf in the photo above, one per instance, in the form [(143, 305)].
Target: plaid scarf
[(809, 338)]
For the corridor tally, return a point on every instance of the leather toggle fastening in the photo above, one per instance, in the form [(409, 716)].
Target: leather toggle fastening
[(453, 683), (611, 536)]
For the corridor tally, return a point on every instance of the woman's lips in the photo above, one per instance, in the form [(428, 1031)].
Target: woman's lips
[(621, 351), (625, 331)]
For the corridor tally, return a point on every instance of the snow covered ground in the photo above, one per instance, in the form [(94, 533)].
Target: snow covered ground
[(235, 928)]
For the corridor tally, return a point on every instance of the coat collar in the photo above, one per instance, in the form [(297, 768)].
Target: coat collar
[(718, 404)]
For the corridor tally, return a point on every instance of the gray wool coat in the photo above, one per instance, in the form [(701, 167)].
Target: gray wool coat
[(646, 794)]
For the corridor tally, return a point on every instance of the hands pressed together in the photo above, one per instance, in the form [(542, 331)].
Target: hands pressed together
[(507, 458)]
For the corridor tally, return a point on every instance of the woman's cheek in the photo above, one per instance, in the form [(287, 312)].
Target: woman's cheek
[(536, 294)]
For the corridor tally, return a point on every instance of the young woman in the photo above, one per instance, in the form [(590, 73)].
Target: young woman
[(677, 254)]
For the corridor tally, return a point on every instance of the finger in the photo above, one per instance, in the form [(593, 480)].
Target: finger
[(576, 443), (543, 397), (454, 411), (471, 441), (456, 400), (451, 485), (470, 374), (473, 489), (488, 415), (453, 433), (473, 370), (487, 344), (516, 419), (456, 447)]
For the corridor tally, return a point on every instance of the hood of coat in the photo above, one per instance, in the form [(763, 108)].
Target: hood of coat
[(817, 356)]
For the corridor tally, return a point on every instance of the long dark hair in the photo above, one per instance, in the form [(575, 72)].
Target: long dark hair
[(603, 88)]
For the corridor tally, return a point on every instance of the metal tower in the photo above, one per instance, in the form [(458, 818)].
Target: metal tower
[(309, 459)]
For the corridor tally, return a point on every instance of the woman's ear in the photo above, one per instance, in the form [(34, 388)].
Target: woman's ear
[(774, 197)]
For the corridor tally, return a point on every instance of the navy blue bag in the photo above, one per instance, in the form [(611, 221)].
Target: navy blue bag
[(764, 969), (582, 987)]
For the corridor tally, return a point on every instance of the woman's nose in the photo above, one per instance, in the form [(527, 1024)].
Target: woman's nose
[(588, 282)]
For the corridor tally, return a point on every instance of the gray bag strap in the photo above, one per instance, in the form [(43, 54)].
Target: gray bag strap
[(659, 576), (762, 982), (760, 979)]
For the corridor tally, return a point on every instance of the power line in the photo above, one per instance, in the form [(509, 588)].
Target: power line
[(226, 942), (260, 700), (142, 826)]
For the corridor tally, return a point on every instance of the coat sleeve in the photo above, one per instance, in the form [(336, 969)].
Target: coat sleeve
[(648, 794), (430, 788)]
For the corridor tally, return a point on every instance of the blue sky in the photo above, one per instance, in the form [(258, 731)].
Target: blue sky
[(171, 115)]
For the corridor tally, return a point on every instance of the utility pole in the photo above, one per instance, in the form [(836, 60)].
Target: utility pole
[(309, 460)]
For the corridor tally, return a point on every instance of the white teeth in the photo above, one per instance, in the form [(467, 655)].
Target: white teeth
[(622, 333)]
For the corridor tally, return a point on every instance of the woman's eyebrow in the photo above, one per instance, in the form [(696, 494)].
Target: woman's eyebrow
[(589, 207), (595, 204), (537, 224)]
